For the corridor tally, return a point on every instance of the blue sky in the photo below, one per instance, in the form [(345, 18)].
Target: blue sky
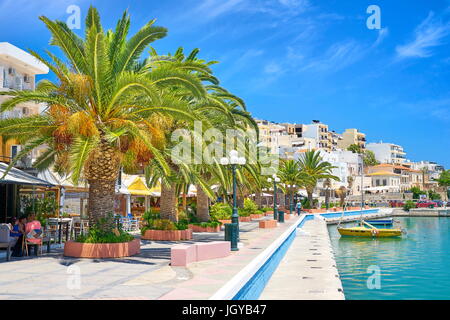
[(298, 60)]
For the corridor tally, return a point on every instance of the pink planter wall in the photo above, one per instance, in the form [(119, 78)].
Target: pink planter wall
[(245, 219), (182, 255), (196, 228), (266, 224), (167, 235), (102, 250)]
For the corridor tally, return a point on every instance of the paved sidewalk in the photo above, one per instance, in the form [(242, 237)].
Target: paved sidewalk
[(144, 276), (308, 270)]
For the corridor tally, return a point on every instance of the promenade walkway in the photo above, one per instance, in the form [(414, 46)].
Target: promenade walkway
[(308, 271), (144, 276)]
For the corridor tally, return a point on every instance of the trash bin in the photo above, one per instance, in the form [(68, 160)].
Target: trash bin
[(280, 216), (231, 235)]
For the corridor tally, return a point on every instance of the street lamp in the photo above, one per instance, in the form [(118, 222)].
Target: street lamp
[(275, 180), (233, 160)]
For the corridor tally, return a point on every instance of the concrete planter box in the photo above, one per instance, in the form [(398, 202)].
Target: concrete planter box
[(256, 216), (167, 235), (315, 210), (245, 219), (102, 250), (268, 213), (196, 228), (267, 224)]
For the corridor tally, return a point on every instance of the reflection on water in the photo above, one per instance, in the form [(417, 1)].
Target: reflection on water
[(414, 266)]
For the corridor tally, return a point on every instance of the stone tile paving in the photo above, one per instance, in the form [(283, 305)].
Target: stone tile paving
[(144, 276), (308, 271)]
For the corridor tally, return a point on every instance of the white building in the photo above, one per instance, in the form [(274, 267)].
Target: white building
[(432, 169), (319, 132), (18, 70), (387, 152)]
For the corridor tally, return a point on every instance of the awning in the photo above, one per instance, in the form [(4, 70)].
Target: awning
[(262, 195), (16, 176), (62, 181), (134, 185), (304, 193)]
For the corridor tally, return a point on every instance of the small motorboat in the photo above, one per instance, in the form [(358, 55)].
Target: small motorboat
[(367, 230), (384, 222)]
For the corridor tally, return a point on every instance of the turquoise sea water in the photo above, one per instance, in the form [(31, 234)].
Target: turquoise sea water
[(416, 266)]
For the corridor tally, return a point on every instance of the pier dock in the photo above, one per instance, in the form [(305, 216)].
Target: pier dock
[(308, 270)]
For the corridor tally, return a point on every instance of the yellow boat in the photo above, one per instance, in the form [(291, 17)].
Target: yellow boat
[(369, 232)]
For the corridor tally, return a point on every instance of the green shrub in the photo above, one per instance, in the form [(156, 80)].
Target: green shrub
[(97, 234), (163, 224), (249, 208), (220, 211), (211, 224), (182, 224), (243, 213), (265, 209), (409, 205)]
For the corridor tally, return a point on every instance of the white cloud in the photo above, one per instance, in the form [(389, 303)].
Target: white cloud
[(382, 34), (272, 67), (428, 34), (338, 56), (211, 9)]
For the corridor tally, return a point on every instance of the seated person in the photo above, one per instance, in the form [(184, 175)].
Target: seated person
[(33, 229), (19, 232), (15, 232)]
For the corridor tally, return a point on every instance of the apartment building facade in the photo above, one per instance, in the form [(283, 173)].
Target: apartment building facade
[(387, 152), (352, 136), (18, 70), (398, 178), (319, 132)]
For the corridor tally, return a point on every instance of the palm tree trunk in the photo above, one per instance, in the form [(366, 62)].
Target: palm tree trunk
[(168, 202), (101, 202), (184, 201), (258, 199), (101, 173), (202, 205), (310, 198)]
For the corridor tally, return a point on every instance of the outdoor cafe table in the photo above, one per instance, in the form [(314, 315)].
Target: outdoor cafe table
[(61, 222)]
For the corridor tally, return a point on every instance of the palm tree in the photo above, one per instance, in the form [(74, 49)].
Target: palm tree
[(342, 194), (102, 111), (290, 175), (219, 109), (314, 168), (327, 187)]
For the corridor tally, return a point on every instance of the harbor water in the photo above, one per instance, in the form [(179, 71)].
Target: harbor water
[(415, 266)]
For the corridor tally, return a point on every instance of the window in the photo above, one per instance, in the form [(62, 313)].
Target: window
[(384, 182), (14, 151)]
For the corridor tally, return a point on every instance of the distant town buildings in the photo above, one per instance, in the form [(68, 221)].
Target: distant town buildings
[(387, 152), (394, 176), (352, 136)]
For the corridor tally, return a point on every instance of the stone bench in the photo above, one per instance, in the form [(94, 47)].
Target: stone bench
[(182, 255), (266, 224)]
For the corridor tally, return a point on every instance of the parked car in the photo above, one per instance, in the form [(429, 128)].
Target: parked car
[(439, 203), (396, 203), (425, 204)]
